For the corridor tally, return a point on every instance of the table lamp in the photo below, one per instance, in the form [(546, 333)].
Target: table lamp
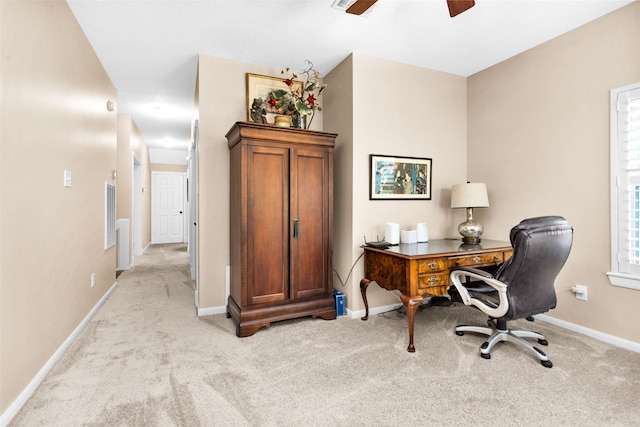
[(469, 196)]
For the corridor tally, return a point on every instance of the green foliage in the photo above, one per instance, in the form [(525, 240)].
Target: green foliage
[(295, 101)]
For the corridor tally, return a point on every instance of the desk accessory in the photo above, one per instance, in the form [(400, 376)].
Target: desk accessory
[(392, 233), (469, 196), (423, 233), (409, 236), (380, 244)]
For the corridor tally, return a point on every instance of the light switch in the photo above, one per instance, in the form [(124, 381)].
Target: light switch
[(67, 179)]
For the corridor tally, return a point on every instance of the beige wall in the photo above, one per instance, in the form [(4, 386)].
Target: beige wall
[(160, 167), (338, 114), (125, 168), (423, 114), (221, 95), (53, 118), (421, 125), (539, 137)]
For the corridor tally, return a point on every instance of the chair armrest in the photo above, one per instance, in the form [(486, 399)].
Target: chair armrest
[(487, 278), (476, 271)]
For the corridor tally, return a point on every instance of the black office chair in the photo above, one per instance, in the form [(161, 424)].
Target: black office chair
[(522, 287)]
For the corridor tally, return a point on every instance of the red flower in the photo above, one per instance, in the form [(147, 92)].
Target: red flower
[(311, 99), (272, 102), (288, 82)]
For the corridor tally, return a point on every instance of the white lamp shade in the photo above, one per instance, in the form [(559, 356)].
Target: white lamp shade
[(469, 195)]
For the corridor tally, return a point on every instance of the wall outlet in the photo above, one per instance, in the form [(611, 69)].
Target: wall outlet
[(93, 279), (580, 291), (67, 179)]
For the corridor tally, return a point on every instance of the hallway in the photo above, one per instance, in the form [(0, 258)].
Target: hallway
[(162, 260), (120, 369)]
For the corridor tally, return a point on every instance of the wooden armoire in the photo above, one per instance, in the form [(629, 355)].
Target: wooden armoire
[(281, 225)]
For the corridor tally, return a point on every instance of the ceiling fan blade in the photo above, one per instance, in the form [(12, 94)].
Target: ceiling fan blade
[(360, 6), (456, 7)]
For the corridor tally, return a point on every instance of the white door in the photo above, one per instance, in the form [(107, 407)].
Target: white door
[(136, 209), (168, 207)]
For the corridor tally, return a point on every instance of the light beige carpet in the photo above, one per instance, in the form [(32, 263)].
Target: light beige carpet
[(146, 359)]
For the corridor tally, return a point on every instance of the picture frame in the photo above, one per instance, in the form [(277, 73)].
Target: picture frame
[(259, 87), (399, 178)]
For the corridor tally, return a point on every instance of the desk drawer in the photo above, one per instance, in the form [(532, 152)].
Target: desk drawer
[(432, 265), (490, 258), (434, 284)]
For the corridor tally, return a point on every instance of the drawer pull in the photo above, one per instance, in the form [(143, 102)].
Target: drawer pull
[(496, 258), (476, 259), (433, 280), (433, 265)]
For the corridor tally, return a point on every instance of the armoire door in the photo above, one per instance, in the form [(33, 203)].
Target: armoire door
[(311, 206), (267, 224)]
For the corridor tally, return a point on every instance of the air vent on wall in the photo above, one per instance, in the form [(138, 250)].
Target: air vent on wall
[(109, 215)]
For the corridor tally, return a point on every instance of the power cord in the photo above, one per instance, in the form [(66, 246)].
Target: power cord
[(344, 284)]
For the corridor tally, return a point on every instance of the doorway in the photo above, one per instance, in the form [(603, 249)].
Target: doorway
[(136, 210), (168, 218), (192, 197)]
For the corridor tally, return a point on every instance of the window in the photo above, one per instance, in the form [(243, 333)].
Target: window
[(625, 187)]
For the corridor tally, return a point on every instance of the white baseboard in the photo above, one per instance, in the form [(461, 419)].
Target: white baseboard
[(372, 311), (600, 336), (211, 310), (13, 409)]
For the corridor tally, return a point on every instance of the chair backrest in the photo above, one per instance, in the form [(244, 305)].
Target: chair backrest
[(541, 247)]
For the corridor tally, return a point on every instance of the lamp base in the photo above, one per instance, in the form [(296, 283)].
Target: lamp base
[(470, 230), (471, 240)]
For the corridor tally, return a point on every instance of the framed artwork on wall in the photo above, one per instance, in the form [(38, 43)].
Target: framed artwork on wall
[(399, 178), (258, 90)]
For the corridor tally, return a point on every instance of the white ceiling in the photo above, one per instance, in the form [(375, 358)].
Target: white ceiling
[(149, 48)]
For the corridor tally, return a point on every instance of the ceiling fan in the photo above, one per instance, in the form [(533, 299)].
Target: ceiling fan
[(456, 7)]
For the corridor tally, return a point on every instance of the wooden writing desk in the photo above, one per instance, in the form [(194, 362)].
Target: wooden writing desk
[(422, 269)]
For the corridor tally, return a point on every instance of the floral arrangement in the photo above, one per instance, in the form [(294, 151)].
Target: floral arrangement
[(299, 100)]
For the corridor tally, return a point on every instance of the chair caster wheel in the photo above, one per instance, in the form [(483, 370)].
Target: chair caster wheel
[(484, 347), (543, 342), (459, 333), (546, 363)]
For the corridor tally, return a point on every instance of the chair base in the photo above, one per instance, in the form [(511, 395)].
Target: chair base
[(500, 333)]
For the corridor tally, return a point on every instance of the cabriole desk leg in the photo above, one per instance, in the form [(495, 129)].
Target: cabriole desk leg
[(364, 283), (411, 304)]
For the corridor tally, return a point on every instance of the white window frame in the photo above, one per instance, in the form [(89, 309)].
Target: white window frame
[(622, 272)]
